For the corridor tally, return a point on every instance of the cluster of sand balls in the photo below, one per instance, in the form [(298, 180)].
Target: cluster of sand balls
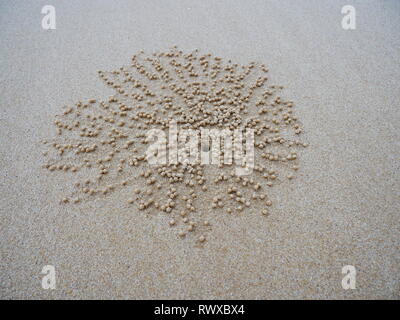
[(102, 143)]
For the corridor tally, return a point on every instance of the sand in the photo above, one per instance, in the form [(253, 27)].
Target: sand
[(342, 209)]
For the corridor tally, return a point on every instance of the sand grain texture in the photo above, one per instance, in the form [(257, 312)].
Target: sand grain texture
[(342, 209)]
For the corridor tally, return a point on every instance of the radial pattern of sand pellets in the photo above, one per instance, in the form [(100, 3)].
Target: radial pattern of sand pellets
[(102, 143)]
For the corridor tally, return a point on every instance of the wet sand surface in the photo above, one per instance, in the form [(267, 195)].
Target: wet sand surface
[(342, 208)]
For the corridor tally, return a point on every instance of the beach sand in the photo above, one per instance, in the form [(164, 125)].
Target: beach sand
[(342, 209)]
